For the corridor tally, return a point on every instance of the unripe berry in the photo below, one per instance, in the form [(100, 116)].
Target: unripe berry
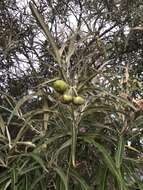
[(60, 86), (78, 100)]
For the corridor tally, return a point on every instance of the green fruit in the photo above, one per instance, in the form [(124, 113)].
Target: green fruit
[(44, 147), (60, 86), (66, 99), (78, 100)]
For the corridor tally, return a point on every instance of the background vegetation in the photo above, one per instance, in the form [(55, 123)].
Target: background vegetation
[(96, 47)]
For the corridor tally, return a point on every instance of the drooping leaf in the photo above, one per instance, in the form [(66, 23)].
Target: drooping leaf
[(62, 176), (80, 179)]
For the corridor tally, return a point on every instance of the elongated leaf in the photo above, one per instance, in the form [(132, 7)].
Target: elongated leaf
[(59, 183), (55, 51), (64, 145), (62, 175), (71, 49), (120, 152), (73, 146), (109, 162), (18, 105), (80, 179), (46, 114), (138, 122), (36, 181), (2, 125), (45, 28), (53, 139), (106, 155), (132, 148), (39, 161), (25, 171), (7, 185), (9, 137), (4, 177), (103, 180), (14, 179)]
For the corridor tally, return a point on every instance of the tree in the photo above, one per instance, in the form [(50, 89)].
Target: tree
[(95, 47)]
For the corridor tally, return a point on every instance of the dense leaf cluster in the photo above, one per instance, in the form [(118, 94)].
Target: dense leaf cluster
[(96, 47)]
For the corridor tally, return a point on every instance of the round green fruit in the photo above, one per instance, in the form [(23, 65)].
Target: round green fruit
[(60, 86), (44, 146), (78, 100), (66, 99)]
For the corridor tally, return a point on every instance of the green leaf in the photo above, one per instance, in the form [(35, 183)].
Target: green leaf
[(64, 145), (39, 161), (73, 145), (109, 162), (80, 179), (103, 179), (138, 122), (5, 187), (62, 176), (36, 181), (120, 152), (27, 170), (2, 125), (107, 158), (45, 28), (18, 105), (14, 179)]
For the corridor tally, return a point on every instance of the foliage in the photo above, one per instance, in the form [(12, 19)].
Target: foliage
[(46, 144)]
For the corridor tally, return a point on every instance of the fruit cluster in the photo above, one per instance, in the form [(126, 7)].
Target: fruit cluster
[(67, 96)]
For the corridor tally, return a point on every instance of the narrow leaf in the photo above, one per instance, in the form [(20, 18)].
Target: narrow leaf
[(73, 146), (120, 152), (80, 179), (63, 177), (45, 28), (2, 125), (103, 180), (39, 161), (109, 162)]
